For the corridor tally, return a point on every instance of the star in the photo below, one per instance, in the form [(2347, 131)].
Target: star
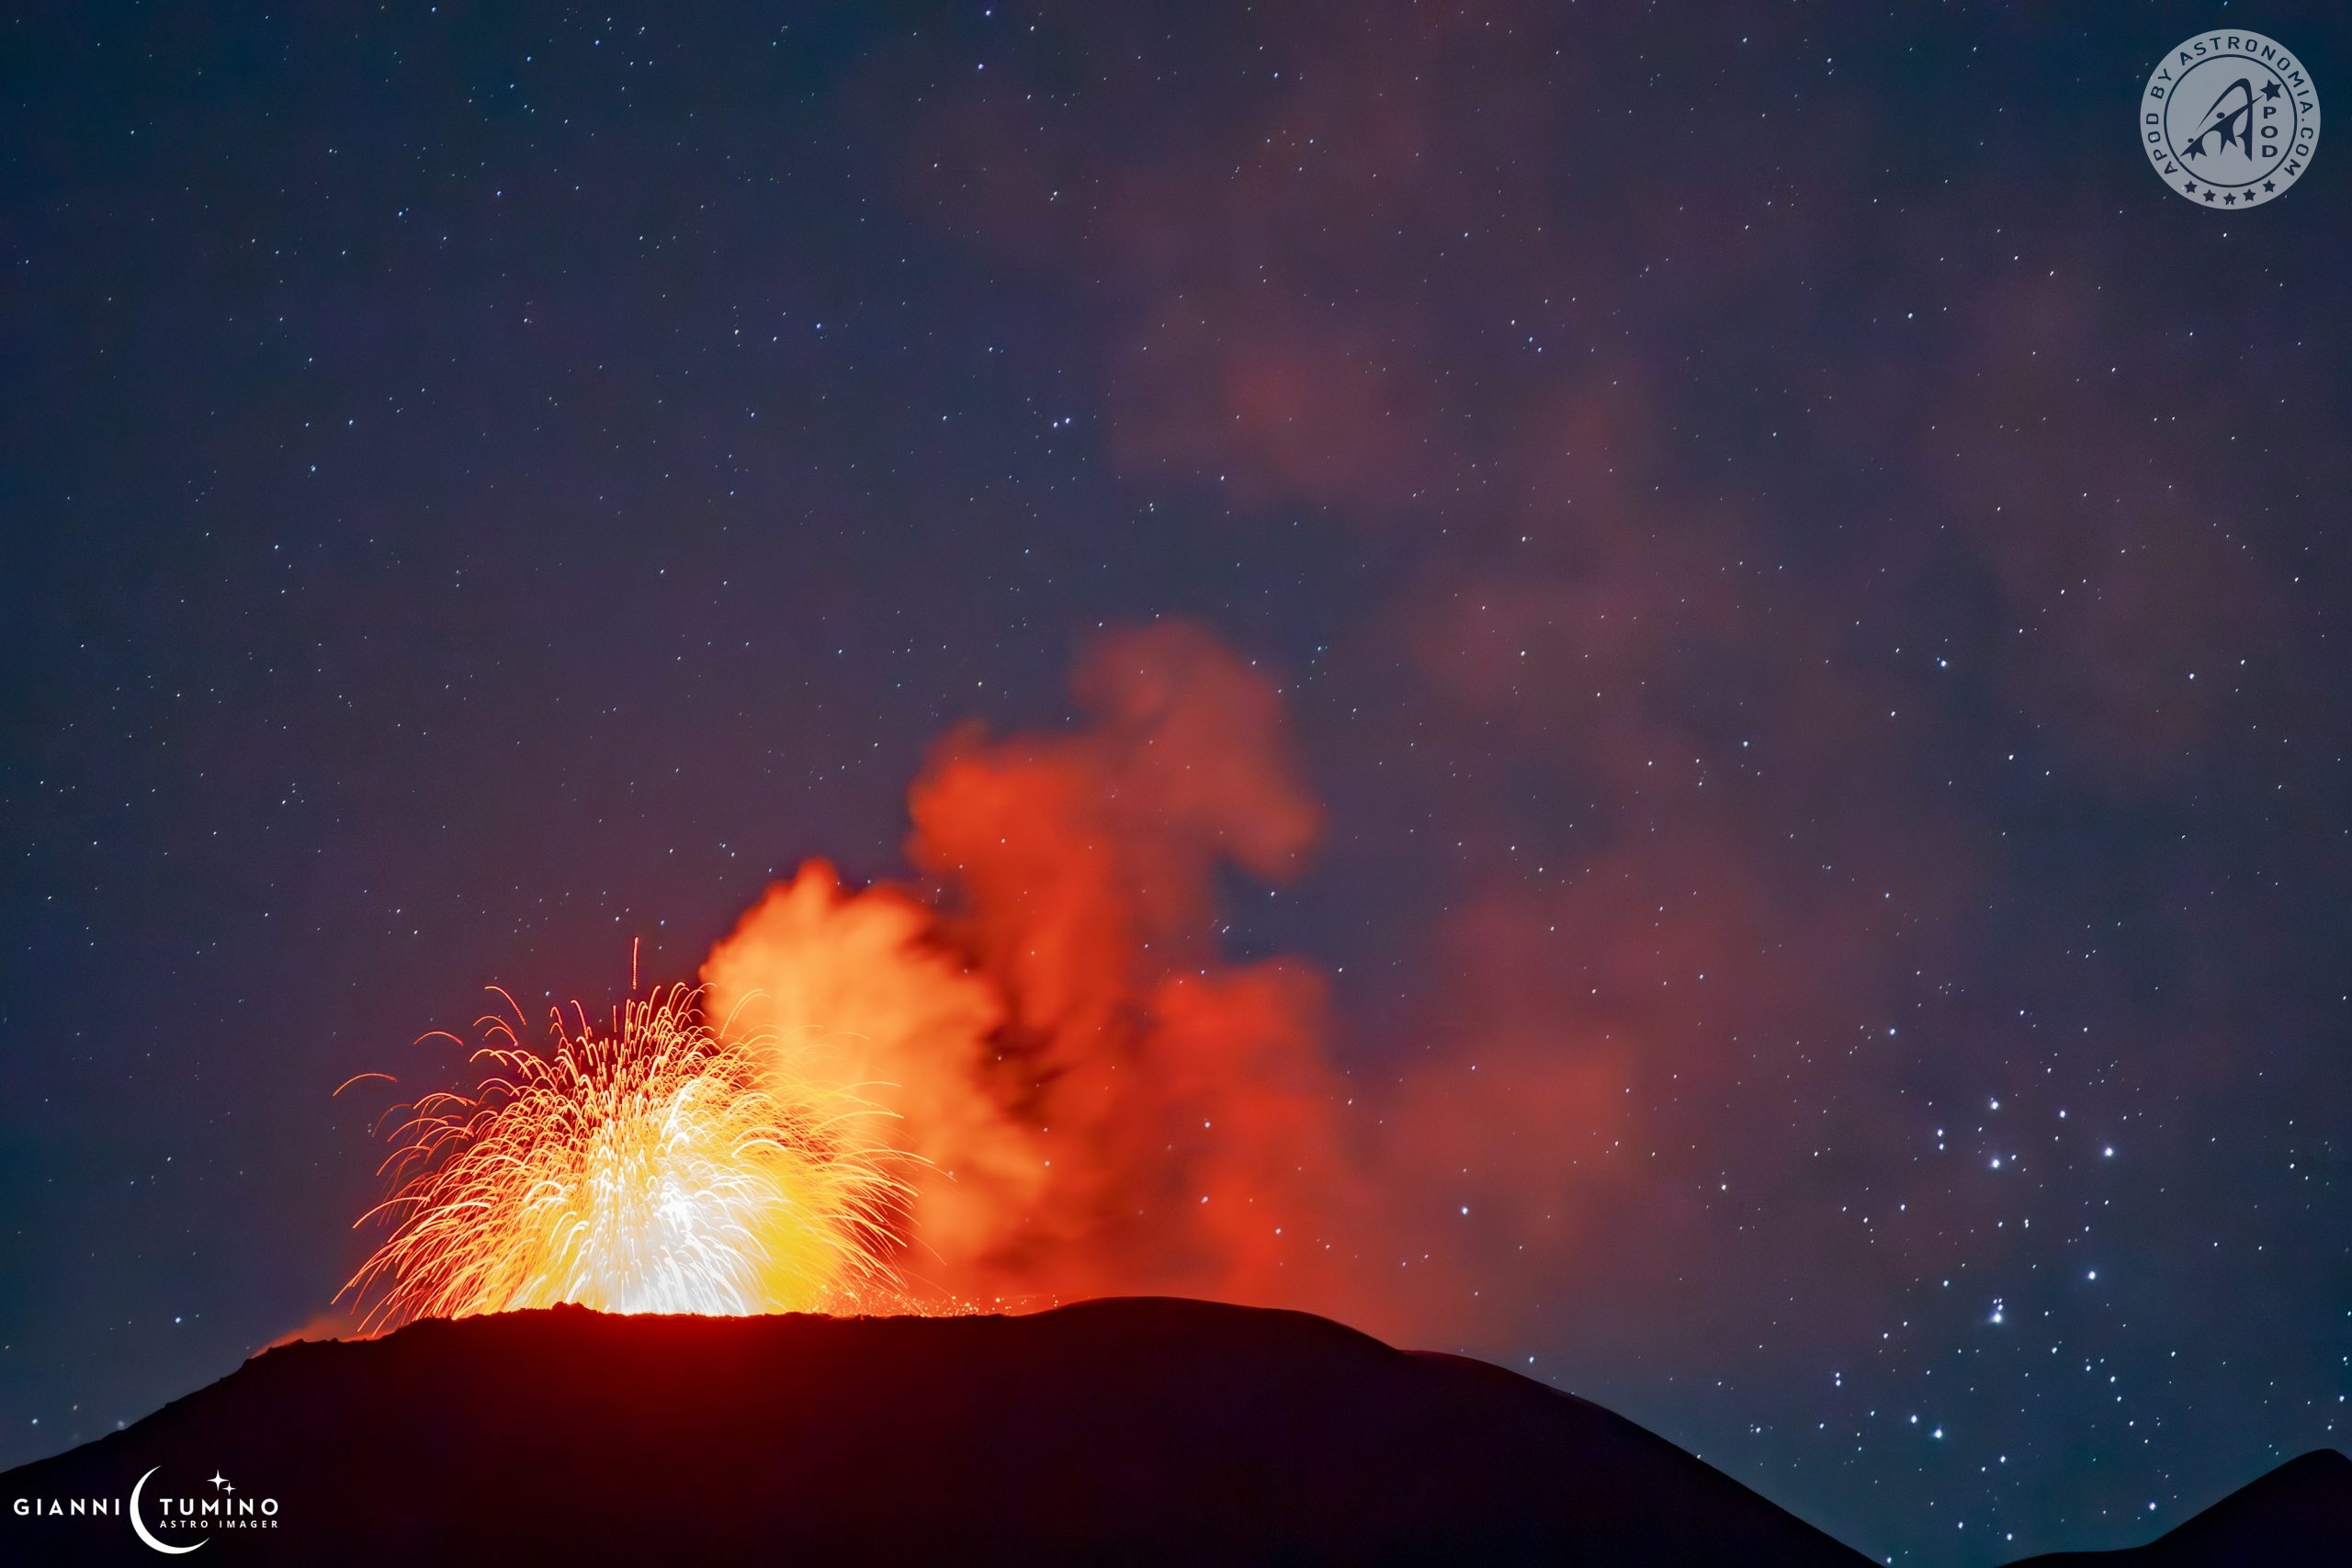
[(2268, 185), (2208, 193), (2271, 91), (2190, 185), (2229, 200), (220, 1480)]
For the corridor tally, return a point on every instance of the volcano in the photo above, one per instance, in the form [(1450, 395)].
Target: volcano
[(1137, 1431)]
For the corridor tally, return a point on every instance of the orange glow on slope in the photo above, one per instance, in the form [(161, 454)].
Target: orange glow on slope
[(652, 1167)]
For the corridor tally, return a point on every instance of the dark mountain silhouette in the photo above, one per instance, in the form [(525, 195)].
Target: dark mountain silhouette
[(1136, 1430), (2299, 1514)]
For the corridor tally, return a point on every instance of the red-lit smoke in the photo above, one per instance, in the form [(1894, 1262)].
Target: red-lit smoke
[(1102, 1102), (1029, 1074)]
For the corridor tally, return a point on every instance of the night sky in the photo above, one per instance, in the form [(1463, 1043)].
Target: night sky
[(1810, 589)]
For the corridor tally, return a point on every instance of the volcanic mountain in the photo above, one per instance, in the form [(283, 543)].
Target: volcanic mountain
[(1134, 1430), (1143, 1429)]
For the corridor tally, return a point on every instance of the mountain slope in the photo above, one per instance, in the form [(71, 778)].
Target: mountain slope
[(2299, 1514), (1141, 1429)]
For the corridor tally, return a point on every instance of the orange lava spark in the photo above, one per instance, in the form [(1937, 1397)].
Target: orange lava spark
[(652, 1167)]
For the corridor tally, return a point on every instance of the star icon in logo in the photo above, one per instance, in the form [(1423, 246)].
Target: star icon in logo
[(2208, 193), (2270, 185), (2229, 200), (2271, 91), (2190, 185), (219, 1481)]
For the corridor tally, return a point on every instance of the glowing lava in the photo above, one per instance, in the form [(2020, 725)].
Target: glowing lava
[(652, 1167)]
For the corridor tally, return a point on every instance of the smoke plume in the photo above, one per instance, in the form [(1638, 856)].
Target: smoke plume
[(1102, 1102)]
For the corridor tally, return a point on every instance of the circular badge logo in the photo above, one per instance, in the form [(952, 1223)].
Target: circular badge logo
[(2230, 119)]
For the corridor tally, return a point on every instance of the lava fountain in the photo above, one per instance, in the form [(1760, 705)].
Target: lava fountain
[(656, 1166)]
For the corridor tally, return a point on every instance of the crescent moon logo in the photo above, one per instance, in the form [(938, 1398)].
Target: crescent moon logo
[(141, 1525)]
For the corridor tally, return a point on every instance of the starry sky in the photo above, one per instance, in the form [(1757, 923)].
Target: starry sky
[(1806, 584)]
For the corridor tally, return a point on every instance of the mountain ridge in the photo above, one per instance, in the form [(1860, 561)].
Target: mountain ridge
[(1132, 1429), (2298, 1512)]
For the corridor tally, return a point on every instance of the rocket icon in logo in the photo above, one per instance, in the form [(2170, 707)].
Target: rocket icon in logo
[(2235, 129)]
